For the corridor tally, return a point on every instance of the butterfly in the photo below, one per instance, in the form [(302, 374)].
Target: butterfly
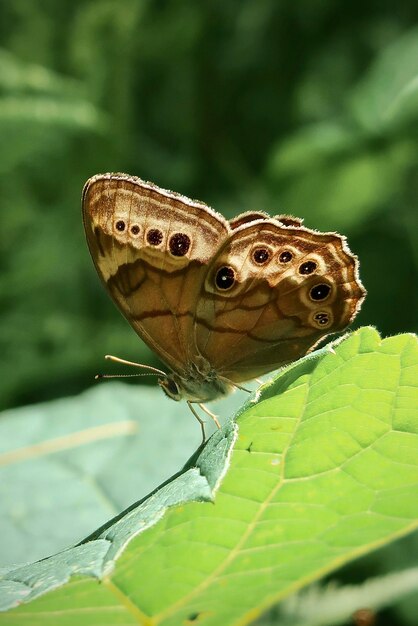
[(220, 302)]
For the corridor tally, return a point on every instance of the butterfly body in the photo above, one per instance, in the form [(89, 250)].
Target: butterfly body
[(219, 302), (198, 385)]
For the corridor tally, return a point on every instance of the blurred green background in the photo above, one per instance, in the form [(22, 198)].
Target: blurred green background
[(307, 107)]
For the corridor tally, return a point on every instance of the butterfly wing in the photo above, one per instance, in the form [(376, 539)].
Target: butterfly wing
[(271, 292), (151, 247)]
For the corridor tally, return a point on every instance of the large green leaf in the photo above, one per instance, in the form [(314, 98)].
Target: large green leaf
[(324, 469), (69, 465)]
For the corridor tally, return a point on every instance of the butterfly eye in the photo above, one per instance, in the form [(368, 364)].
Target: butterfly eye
[(120, 225), (261, 256), (154, 237), (285, 256), (179, 244), (225, 278), (319, 292), (307, 268), (170, 388)]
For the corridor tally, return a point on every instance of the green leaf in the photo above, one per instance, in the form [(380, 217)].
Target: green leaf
[(93, 454), (312, 144), (387, 97), (330, 176), (40, 110), (324, 469)]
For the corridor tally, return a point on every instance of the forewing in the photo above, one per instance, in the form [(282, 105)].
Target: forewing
[(151, 248)]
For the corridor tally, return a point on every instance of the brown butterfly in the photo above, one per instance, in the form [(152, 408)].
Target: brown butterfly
[(219, 302)]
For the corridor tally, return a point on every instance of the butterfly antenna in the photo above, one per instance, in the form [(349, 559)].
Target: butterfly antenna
[(145, 367), (153, 371), (99, 376)]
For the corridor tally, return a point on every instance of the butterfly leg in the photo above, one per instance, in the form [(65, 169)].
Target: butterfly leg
[(201, 422), (212, 415)]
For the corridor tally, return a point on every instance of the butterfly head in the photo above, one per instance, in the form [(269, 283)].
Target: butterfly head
[(170, 387), (197, 385)]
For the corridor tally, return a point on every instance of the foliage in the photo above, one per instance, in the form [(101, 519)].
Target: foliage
[(308, 108), (324, 469)]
